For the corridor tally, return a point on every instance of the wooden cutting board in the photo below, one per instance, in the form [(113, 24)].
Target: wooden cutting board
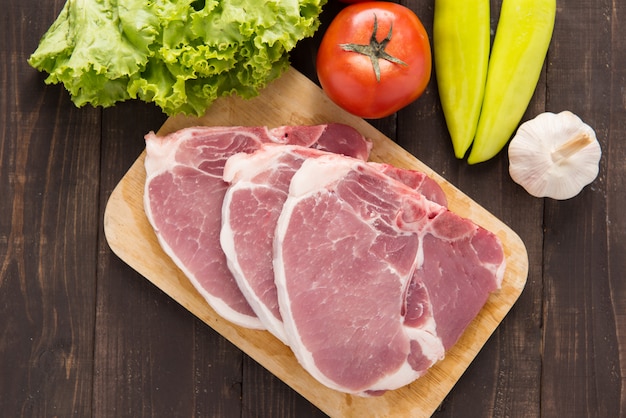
[(295, 100)]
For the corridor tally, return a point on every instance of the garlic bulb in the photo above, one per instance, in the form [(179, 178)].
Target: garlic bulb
[(554, 155)]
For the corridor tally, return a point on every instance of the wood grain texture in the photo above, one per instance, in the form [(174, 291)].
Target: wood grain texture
[(47, 331), (49, 175), (584, 297), (296, 99), (70, 310)]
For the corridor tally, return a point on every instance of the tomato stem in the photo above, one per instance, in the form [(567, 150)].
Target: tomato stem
[(375, 50)]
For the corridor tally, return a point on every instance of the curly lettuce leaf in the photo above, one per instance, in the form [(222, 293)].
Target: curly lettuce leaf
[(181, 55)]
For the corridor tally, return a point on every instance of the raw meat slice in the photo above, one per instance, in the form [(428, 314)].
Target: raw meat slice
[(184, 191), (374, 281), (259, 184), (415, 180)]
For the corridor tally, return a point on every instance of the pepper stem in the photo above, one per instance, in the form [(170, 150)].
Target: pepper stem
[(375, 50), (571, 147)]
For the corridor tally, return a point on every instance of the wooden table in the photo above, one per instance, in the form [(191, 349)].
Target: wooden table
[(82, 334)]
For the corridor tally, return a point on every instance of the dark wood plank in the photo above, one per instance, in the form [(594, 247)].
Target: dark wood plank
[(49, 166), (84, 335), (152, 357), (264, 395), (614, 183), (584, 325)]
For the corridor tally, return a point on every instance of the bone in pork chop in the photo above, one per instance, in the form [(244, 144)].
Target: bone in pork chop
[(374, 281), (259, 184), (184, 191)]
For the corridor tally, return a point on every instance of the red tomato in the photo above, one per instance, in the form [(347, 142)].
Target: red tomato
[(349, 78)]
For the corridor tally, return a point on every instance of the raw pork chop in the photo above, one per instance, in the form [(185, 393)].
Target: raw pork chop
[(374, 281), (259, 184), (184, 192)]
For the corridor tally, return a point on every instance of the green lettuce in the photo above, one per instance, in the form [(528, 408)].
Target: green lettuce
[(179, 54)]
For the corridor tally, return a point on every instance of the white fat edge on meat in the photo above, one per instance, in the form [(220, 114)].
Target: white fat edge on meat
[(433, 350), (500, 269), (306, 182), (160, 158), (160, 153), (238, 167), (238, 171), (246, 166), (228, 247), (220, 307), (399, 378), (270, 323)]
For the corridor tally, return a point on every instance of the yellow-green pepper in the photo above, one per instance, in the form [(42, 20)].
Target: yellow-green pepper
[(461, 38), (521, 42)]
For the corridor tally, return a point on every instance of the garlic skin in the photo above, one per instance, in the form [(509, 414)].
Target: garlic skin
[(554, 155)]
